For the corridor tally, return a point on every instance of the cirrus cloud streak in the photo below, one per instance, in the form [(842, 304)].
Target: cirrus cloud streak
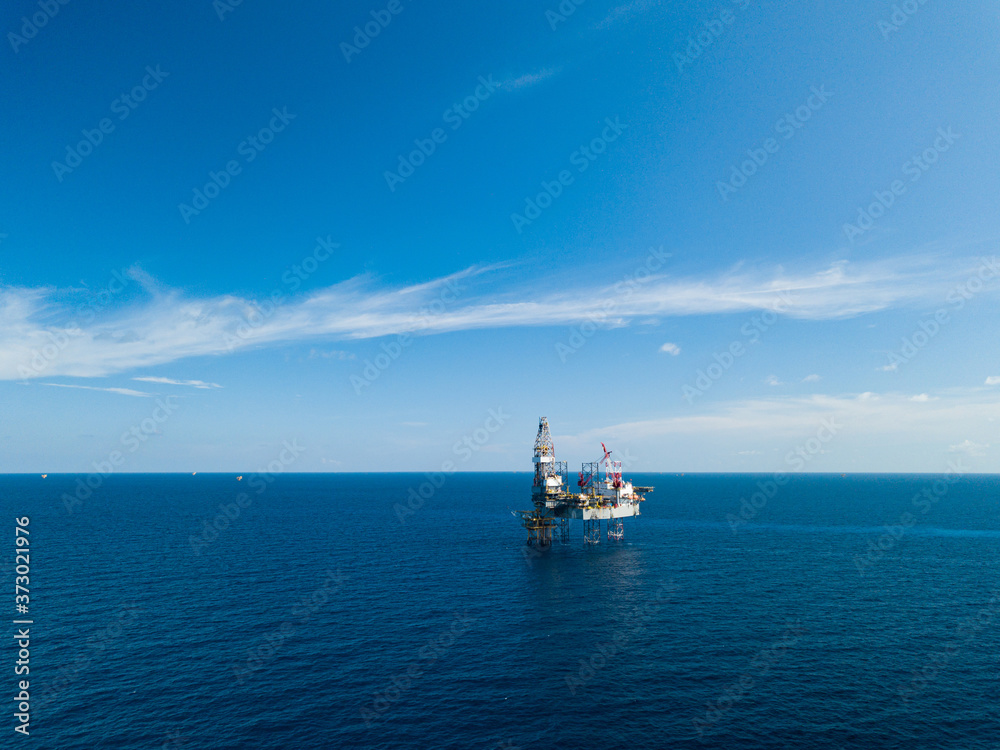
[(39, 338)]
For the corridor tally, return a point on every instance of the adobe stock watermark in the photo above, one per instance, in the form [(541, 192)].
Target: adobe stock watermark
[(796, 459), (464, 450), (259, 481), (638, 618), (929, 327), (760, 666), (900, 16), (915, 168), (623, 290), (122, 106), (249, 148), (966, 633), (923, 501), (724, 360), (455, 116), (427, 656), (47, 10), (363, 35), (562, 12), (703, 38), (291, 280), (131, 440), (267, 648), (223, 8), (393, 350), (786, 127), (173, 740), (581, 158)]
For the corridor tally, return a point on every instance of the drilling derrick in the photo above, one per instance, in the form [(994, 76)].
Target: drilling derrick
[(550, 475), (609, 498), (549, 484)]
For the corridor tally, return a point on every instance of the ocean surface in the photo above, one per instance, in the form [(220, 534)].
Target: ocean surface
[(321, 611)]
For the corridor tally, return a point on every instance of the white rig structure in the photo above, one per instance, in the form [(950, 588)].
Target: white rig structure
[(600, 498)]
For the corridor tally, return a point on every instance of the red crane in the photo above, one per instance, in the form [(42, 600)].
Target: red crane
[(612, 469)]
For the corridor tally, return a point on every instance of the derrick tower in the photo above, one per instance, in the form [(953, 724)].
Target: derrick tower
[(549, 484)]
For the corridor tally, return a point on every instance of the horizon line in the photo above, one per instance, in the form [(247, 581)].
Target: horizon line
[(42, 475)]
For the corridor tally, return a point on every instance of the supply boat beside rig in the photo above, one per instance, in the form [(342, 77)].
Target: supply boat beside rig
[(603, 496)]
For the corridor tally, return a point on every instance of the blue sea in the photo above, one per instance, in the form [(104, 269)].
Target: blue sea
[(324, 611)]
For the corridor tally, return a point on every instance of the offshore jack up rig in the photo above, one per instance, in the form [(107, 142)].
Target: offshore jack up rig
[(603, 496)]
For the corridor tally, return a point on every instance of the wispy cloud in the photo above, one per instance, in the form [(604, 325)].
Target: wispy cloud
[(772, 380), (528, 79), (970, 447), (166, 326), (120, 391), (169, 381), (814, 378), (993, 380), (671, 349), (867, 413)]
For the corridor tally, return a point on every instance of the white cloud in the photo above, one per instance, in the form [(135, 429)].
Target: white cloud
[(796, 417), (921, 398), (672, 349), (772, 380), (749, 453), (993, 380), (167, 326), (169, 381), (967, 446), (528, 79), (880, 432), (814, 378), (120, 391)]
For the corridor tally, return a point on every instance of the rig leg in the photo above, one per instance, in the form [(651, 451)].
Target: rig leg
[(616, 529), (564, 530), (592, 532)]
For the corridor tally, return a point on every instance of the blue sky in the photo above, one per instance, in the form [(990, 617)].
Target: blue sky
[(215, 227)]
